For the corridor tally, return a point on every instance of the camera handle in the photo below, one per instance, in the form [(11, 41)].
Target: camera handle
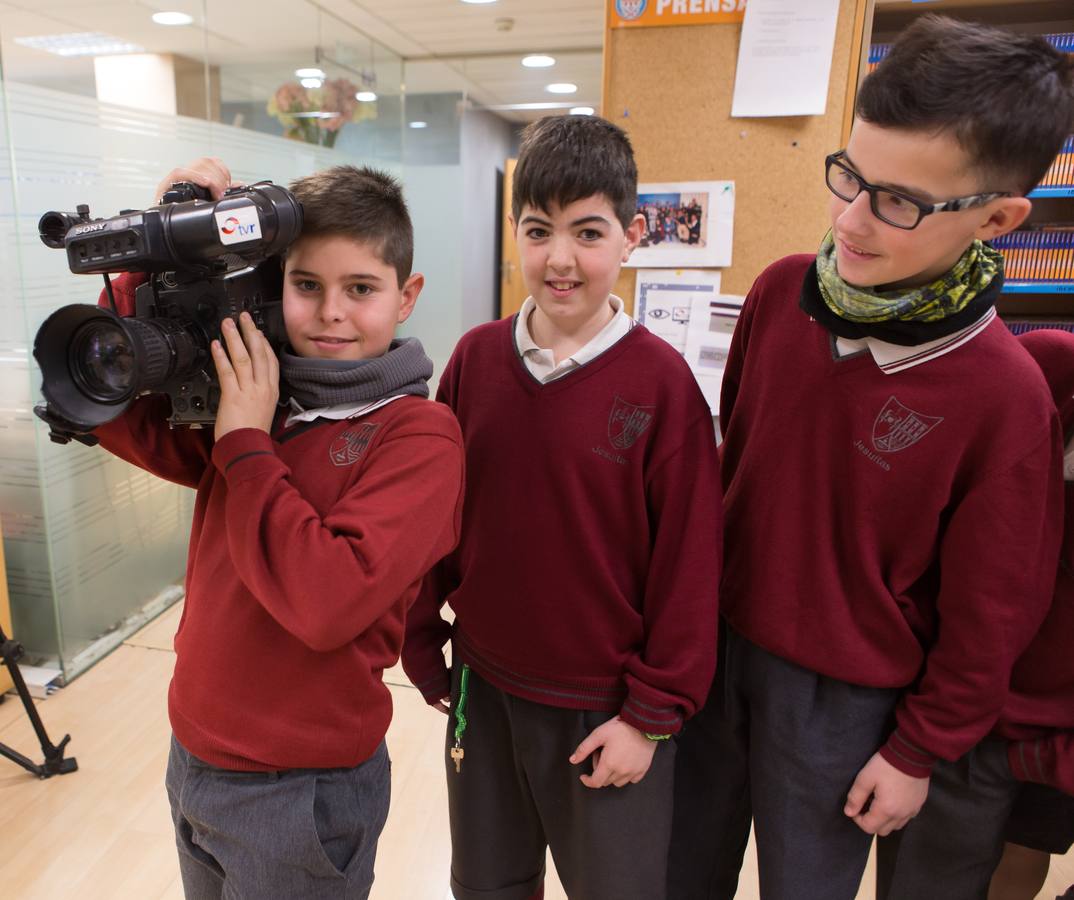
[(55, 763), (60, 430)]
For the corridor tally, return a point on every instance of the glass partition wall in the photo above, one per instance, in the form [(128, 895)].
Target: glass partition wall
[(97, 103)]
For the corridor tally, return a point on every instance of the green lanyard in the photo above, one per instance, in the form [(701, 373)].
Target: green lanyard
[(460, 706), (457, 752)]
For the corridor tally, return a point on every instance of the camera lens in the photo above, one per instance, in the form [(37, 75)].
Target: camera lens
[(102, 361)]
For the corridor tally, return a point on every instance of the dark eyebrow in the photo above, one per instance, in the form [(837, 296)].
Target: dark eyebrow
[(356, 277), (585, 220), (916, 193)]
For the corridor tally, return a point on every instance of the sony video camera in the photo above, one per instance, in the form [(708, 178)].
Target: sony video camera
[(207, 261)]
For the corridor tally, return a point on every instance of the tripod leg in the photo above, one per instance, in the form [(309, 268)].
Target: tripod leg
[(54, 763)]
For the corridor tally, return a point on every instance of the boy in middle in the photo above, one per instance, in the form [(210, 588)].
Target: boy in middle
[(584, 587)]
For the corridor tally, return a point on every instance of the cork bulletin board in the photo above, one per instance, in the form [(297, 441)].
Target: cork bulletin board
[(671, 88)]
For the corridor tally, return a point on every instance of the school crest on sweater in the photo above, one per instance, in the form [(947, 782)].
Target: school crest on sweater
[(627, 423), (898, 427), (348, 448)]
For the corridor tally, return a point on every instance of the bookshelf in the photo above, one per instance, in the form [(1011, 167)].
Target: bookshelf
[(1039, 287)]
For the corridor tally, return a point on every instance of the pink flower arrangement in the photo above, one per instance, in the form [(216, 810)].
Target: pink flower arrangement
[(316, 115)]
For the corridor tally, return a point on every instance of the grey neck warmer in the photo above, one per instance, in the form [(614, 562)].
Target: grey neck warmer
[(316, 383)]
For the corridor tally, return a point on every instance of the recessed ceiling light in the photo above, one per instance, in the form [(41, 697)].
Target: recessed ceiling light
[(80, 43), (582, 111), (538, 61), (311, 82), (478, 1), (365, 96), (422, 124), (309, 73), (172, 18), (564, 87)]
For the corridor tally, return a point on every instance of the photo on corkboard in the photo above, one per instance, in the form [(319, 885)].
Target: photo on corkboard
[(687, 224)]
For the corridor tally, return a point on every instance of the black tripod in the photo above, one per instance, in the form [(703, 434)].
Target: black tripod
[(54, 763)]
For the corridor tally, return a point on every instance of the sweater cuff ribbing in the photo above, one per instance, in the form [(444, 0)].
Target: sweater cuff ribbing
[(245, 453), (908, 758), (1027, 762), (435, 687), (649, 719)]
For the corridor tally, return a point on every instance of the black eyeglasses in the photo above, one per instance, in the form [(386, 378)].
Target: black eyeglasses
[(893, 207)]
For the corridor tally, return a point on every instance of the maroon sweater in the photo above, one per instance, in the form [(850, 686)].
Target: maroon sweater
[(586, 576), (306, 550), (1038, 716), (889, 530)]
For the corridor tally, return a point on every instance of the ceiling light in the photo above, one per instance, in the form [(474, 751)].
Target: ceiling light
[(582, 110), (81, 43), (365, 96), (424, 124), (309, 73), (478, 1), (564, 87), (538, 61), (172, 18)]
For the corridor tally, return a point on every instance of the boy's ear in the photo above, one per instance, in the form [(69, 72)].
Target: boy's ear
[(411, 288), (1007, 214), (511, 221), (635, 231)]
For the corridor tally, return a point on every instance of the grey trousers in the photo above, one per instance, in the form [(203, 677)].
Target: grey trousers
[(307, 834), (783, 744), (516, 795), (953, 846)]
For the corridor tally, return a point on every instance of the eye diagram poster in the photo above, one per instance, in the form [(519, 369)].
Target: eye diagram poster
[(663, 300)]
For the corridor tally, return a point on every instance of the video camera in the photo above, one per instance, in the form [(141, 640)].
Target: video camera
[(207, 261)]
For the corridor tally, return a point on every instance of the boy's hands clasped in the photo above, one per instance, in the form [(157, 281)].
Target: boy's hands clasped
[(621, 754), (249, 378)]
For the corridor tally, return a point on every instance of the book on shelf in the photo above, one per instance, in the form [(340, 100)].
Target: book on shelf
[(1061, 41), (1039, 258), (1023, 326)]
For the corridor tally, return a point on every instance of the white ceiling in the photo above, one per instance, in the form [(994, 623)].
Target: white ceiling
[(448, 45)]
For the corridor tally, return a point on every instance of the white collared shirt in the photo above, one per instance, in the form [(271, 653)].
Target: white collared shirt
[(541, 363), (348, 411), (892, 358)]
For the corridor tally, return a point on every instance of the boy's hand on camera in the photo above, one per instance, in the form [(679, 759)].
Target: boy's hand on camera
[(621, 754), (249, 378), (208, 172), (883, 799)]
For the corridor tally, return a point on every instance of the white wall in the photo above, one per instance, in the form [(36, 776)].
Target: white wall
[(486, 144)]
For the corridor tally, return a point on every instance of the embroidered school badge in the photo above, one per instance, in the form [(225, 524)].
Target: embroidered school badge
[(348, 448), (898, 427), (627, 423)]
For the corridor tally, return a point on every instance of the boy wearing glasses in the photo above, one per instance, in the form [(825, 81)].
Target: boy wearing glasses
[(891, 469)]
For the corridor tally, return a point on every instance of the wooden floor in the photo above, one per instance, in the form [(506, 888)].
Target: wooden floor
[(104, 832)]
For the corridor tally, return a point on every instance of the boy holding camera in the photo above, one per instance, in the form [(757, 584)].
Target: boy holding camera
[(891, 468), (312, 528)]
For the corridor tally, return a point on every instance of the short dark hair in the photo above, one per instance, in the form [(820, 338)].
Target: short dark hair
[(1008, 99), (567, 158), (363, 204)]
